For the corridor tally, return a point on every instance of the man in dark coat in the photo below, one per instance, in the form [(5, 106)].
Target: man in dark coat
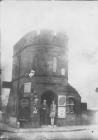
[(44, 113)]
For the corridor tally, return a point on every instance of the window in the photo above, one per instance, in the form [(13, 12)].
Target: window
[(71, 101), (70, 105), (62, 71), (70, 109), (52, 64)]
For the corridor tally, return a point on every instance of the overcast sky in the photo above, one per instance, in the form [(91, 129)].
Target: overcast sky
[(80, 22)]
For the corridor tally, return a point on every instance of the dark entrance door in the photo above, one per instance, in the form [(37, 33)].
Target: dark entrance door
[(47, 97), (24, 109)]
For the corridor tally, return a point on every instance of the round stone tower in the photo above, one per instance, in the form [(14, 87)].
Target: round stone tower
[(40, 72)]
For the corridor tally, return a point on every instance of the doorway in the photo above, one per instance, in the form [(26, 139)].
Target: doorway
[(47, 96)]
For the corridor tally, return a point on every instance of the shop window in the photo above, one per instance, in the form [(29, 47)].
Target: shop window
[(69, 109), (71, 101), (70, 105)]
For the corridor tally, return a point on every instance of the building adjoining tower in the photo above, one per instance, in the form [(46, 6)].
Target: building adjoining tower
[(40, 72)]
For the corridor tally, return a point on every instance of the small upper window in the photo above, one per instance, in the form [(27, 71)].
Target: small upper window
[(54, 64), (50, 65), (62, 71)]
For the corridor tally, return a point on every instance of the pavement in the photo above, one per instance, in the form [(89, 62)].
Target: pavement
[(84, 132)]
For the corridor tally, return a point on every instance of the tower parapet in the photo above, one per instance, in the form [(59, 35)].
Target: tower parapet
[(44, 52), (47, 38)]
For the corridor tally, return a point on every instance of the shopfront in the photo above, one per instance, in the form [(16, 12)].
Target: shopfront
[(46, 102), (37, 107)]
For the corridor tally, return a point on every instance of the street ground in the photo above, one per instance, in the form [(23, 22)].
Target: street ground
[(54, 133)]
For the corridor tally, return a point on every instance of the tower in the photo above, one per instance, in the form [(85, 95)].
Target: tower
[(40, 72)]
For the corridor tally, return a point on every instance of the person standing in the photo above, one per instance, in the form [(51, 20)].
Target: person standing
[(44, 113), (52, 112)]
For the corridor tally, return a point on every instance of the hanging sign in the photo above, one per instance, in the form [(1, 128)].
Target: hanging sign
[(61, 100), (27, 87), (61, 112)]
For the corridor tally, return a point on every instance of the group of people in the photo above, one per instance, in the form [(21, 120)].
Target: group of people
[(48, 113)]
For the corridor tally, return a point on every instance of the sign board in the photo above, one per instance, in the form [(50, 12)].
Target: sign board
[(61, 100), (27, 87), (61, 112)]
